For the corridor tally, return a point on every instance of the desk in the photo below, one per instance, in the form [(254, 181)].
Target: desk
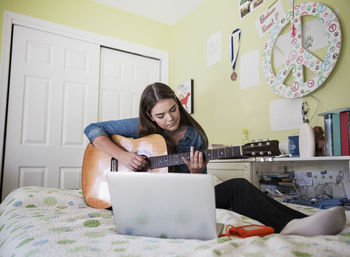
[(251, 168)]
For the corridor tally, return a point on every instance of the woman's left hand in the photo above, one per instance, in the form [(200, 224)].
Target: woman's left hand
[(196, 164)]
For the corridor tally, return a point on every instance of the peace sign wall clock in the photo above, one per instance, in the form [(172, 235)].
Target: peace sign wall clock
[(300, 56)]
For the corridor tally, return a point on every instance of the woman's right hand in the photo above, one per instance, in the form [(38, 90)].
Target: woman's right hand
[(133, 161)]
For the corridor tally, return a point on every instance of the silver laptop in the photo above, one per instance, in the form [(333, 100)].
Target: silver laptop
[(168, 205)]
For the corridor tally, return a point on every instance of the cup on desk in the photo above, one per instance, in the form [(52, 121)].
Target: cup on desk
[(293, 146)]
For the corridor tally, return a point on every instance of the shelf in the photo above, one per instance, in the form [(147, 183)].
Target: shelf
[(285, 159), (318, 158)]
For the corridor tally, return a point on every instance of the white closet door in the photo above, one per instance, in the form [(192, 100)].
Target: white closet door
[(123, 78), (52, 97)]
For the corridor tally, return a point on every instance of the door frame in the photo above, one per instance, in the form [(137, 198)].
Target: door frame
[(11, 18)]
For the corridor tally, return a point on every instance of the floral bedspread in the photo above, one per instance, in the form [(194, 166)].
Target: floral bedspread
[(38, 221)]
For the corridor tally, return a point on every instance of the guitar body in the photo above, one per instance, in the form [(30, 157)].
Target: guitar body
[(97, 164)]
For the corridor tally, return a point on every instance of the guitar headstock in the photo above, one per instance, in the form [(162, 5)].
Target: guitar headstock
[(262, 148)]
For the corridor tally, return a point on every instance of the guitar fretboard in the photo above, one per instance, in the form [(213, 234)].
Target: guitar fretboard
[(176, 159)]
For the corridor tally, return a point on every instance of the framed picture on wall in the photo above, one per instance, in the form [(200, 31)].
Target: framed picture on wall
[(248, 6), (185, 94)]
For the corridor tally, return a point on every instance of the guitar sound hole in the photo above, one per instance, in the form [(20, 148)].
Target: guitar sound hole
[(114, 165)]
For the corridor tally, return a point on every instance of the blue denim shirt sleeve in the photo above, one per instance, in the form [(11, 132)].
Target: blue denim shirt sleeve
[(126, 128)]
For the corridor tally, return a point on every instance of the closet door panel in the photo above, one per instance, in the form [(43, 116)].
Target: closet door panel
[(124, 76), (53, 95)]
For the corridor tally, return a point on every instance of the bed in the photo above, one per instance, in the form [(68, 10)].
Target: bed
[(39, 221)]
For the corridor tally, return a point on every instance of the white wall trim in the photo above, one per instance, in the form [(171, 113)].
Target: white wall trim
[(11, 18)]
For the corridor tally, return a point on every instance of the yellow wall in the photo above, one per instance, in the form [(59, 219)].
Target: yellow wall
[(93, 17), (219, 104)]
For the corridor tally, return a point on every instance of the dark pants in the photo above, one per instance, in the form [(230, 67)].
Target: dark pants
[(242, 197)]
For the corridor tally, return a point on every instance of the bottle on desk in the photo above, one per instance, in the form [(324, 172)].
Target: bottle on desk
[(245, 138), (306, 140)]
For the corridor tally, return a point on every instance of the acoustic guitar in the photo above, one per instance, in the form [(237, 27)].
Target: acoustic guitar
[(96, 163)]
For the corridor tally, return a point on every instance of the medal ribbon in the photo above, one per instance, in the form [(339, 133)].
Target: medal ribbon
[(235, 34)]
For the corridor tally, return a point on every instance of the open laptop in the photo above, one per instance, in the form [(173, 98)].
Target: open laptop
[(170, 205)]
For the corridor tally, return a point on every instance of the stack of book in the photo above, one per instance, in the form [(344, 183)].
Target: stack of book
[(283, 182), (337, 132), (281, 179)]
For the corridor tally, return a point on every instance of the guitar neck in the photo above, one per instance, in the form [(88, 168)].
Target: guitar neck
[(212, 154)]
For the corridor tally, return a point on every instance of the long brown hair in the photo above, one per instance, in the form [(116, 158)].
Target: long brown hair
[(150, 97)]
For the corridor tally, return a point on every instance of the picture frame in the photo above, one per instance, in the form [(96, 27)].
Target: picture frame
[(248, 6), (185, 95)]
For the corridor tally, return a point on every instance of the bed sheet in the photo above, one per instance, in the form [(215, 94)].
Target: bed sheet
[(39, 221)]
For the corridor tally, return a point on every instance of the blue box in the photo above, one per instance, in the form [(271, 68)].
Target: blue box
[(293, 146)]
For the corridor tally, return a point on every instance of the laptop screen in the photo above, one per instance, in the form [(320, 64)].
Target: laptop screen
[(170, 205)]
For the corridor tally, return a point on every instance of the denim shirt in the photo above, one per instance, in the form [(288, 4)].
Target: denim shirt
[(129, 128)]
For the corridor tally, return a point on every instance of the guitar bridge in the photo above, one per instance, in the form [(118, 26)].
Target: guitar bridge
[(114, 165)]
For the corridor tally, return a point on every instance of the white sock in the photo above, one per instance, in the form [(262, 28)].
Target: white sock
[(327, 222)]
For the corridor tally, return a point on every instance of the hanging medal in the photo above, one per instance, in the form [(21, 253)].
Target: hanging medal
[(235, 40)]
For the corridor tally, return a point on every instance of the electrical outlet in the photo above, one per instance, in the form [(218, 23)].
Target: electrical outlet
[(323, 177)]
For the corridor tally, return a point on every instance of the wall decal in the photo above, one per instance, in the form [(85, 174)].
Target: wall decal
[(299, 56), (269, 17), (249, 69), (214, 48)]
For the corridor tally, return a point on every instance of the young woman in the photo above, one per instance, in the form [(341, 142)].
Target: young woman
[(161, 112)]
